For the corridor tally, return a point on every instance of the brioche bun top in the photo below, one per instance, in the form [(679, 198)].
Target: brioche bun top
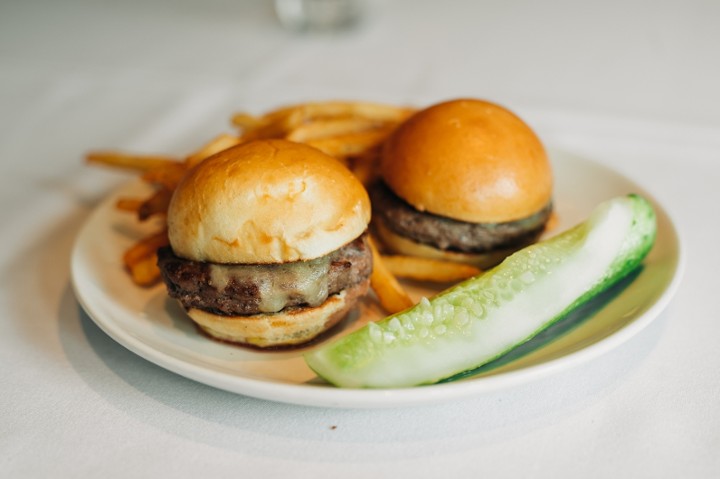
[(469, 160), (266, 201)]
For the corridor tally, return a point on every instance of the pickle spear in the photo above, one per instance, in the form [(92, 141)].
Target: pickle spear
[(484, 317)]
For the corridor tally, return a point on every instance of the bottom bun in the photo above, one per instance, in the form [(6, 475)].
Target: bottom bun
[(402, 245), (285, 328)]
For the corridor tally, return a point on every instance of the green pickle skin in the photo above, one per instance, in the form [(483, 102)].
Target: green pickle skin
[(433, 326)]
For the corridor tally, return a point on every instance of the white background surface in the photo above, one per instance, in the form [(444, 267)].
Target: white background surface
[(631, 84)]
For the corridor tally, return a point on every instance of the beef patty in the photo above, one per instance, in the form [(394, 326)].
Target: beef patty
[(449, 234), (244, 289)]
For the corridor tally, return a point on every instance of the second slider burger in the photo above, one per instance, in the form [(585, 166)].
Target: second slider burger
[(267, 243), (464, 180)]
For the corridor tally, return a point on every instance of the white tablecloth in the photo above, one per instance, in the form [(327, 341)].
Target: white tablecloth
[(631, 84)]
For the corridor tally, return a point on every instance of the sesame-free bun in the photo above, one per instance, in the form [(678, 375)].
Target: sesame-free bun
[(469, 160), (266, 201), (286, 328)]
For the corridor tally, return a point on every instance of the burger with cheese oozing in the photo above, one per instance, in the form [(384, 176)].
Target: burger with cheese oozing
[(464, 180), (268, 243)]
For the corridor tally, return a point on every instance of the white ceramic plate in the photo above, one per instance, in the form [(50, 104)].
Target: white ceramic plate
[(147, 323)]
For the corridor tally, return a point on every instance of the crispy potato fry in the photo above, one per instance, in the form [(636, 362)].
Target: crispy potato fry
[(145, 272), (552, 222), (246, 121), (426, 269), (157, 203), (131, 205), (324, 128), (282, 122), (351, 144), (145, 247), (167, 176), (216, 145), (392, 296), (141, 259), (365, 171), (272, 125), (365, 167), (328, 109), (128, 161)]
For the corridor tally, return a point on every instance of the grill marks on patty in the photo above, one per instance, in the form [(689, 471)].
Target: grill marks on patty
[(449, 234), (232, 290)]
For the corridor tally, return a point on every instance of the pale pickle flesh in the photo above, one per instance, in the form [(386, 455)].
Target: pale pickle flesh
[(480, 319)]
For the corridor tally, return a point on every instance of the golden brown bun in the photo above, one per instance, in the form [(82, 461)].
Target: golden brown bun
[(293, 327), (266, 201), (469, 160), (401, 245)]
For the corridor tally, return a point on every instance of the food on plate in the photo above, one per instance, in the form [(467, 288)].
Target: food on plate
[(350, 131), (428, 269), (268, 243), (141, 258), (163, 173), (464, 180), (216, 145), (353, 133), (328, 118), (124, 160), (478, 320), (390, 293)]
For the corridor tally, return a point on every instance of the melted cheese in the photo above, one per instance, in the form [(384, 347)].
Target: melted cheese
[(278, 283)]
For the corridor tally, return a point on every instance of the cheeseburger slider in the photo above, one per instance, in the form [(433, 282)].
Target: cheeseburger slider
[(267, 243), (464, 180)]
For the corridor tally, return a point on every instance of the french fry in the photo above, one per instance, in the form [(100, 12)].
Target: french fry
[(246, 121), (157, 203), (129, 161), (282, 122), (552, 222), (351, 144), (393, 298), (145, 247), (365, 167), (426, 269), (131, 205), (328, 109), (167, 176), (272, 125), (216, 145), (145, 272), (324, 128)]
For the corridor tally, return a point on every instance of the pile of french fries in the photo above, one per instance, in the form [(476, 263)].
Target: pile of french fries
[(352, 132)]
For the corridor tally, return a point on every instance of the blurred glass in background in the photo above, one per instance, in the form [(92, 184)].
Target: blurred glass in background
[(320, 15)]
